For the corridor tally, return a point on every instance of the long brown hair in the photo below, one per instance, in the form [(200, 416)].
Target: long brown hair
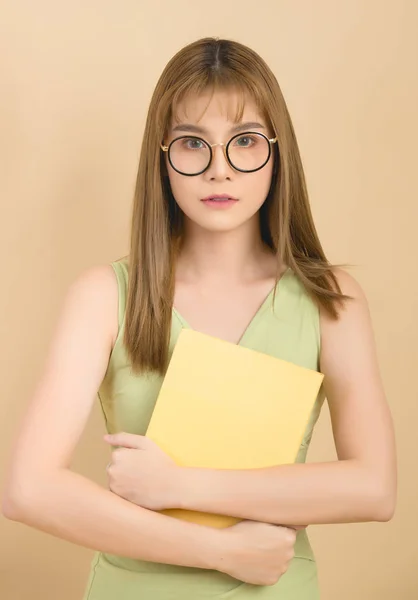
[(286, 223)]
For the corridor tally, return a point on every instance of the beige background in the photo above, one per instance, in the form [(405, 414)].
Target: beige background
[(76, 79)]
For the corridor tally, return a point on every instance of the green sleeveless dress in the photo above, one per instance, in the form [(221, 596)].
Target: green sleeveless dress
[(289, 330)]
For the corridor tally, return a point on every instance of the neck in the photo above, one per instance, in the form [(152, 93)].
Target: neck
[(230, 256)]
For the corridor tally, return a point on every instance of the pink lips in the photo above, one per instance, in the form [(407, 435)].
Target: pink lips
[(219, 201), (219, 198)]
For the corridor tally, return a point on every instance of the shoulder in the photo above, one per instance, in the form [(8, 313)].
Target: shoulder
[(349, 285), (96, 276), (95, 289), (353, 324), (96, 282)]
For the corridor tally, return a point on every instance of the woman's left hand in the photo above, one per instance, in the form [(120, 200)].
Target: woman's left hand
[(141, 472)]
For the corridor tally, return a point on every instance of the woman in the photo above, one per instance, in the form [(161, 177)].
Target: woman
[(222, 234)]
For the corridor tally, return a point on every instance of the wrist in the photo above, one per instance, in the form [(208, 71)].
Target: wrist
[(217, 549)]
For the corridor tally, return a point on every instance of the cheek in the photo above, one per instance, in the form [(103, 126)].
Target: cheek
[(257, 185), (183, 188)]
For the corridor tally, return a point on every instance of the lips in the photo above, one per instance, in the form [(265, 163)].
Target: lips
[(219, 198)]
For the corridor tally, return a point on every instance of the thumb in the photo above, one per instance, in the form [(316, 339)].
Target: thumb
[(124, 440)]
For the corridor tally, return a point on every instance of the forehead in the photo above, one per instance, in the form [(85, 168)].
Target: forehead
[(216, 108)]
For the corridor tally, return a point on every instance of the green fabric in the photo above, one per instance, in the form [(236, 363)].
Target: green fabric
[(287, 329)]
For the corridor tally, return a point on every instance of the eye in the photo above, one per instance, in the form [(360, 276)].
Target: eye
[(246, 141), (193, 144)]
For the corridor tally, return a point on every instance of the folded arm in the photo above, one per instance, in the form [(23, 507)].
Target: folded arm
[(361, 484), (42, 492)]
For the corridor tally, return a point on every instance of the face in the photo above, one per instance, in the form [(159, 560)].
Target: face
[(213, 123)]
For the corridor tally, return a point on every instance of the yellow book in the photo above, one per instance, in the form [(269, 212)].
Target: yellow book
[(224, 406)]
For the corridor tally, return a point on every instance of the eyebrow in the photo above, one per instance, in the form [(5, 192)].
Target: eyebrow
[(196, 129)]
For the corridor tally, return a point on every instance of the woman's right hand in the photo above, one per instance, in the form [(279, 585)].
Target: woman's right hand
[(257, 553)]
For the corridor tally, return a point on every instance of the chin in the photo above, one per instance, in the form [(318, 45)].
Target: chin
[(220, 222)]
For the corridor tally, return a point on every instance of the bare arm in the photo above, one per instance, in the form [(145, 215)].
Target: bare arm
[(361, 485), (42, 492)]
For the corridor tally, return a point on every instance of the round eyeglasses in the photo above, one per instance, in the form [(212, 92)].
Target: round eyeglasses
[(246, 152)]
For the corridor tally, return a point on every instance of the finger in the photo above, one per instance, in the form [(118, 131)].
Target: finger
[(124, 440)]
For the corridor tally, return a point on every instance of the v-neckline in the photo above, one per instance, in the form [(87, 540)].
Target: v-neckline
[(253, 320)]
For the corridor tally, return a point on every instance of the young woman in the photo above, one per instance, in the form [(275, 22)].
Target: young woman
[(222, 234)]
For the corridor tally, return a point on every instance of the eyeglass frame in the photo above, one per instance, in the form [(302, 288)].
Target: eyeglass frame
[(270, 141)]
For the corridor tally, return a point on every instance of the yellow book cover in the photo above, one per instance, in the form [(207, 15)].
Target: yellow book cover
[(224, 406)]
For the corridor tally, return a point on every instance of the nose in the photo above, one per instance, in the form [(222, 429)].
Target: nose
[(219, 168)]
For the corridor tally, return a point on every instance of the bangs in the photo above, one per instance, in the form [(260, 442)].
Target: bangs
[(241, 91)]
